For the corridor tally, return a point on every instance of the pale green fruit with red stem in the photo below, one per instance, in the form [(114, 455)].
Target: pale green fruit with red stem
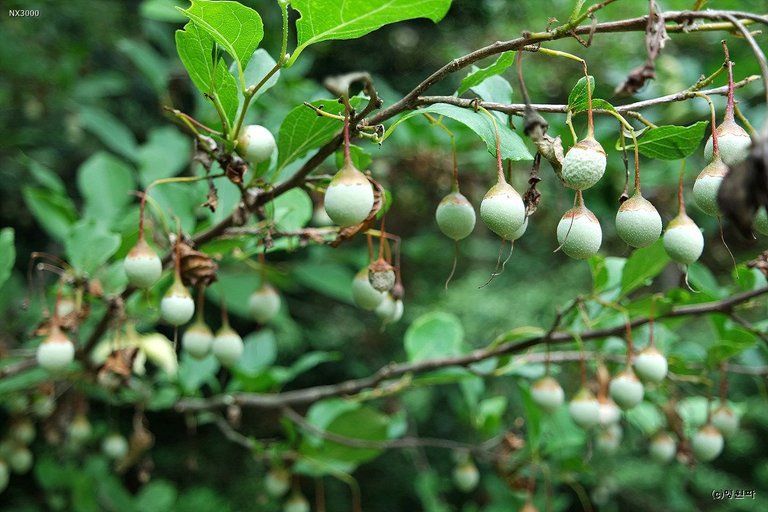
[(707, 443), (197, 340), (455, 216), (626, 389), (264, 303), (547, 393), (683, 240), (650, 365), (584, 164), (256, 143), (579, 233), (662, 447), (365, 296), (227, 346), (56, 352), (584, 409), (466, 476), (503, 210), (177, 306), (142, 265), (638, 222), (349, 197)]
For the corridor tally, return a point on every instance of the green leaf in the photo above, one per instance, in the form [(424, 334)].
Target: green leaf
[(259, 65), (110, 130), (579, 102), (7, 254), (533, 415), (671, 142), (578, 94), (327, 278), (162, 10), (643, 266), (55, 212), (106, 183), (512, 146), (478, 75), (434, 334), (207, 70), (291, 211), (165, 154), (154, 68), (88, 246), (156, 496), (360, 158), (193, 373), (237, 28), (324, 20), (303, 129), (734, 341), (358, 422), (43, 175), (259, 353)]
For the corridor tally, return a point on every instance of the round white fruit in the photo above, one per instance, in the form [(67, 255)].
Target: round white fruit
[(197, 340), (662, 448), (455, 216), (277, 482), (256, 143), (114, 446), (733, 142), (638, 222), (390, 310), (503, 210), (579, 233), (626, 390), (264, 303), (584, 409), (55, 352), (296, 503), (466, 476), (609, 439), (707, 185), (725, 420), (609, 412), (142, 265), (584, 164), (547, 393), (683, 240), (651, 365), (365, 296), (707, 443), (349, 197), (177, 306), (227, 346)]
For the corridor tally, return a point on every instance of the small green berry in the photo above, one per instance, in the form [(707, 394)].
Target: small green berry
[(455, 216)]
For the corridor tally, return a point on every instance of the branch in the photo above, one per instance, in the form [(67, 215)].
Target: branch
[(519, 108), (404, 442), (310, 395)]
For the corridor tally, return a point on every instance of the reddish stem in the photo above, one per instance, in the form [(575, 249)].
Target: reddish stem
[(629, 344), (347, 157), (637, 170), (177, 271), (651, 341), (680, 199), (729, 108), (715, 144), (723, 383), (499, 164), (590, 121), (579, 199), (583, 370), (142, 203), (382, 239)]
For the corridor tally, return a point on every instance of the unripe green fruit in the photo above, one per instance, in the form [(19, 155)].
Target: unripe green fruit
[(626, 390), (365, 296), (707, 185), (381, 275), (733, 141), (683, 240), (142, 265), (390, 310), (264, 303), (4, 475), (114, 446), (80, 429), (277, 482), (547, 393), (65, 306), (20, 460), (43, 406), (520, 231), (177, 306), (579, 233), (725, 420), (662, 447), (503, 210), (256, 143), (296, 503), (609, 439), (584, 164), (609, 412), (455, 216), (584, 409), (650, 365), (707, 443), (23, 431), (56, 351), (227, 346), (638, 223), (761, 221), (197, 340), (466, 476), (349, 197)]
